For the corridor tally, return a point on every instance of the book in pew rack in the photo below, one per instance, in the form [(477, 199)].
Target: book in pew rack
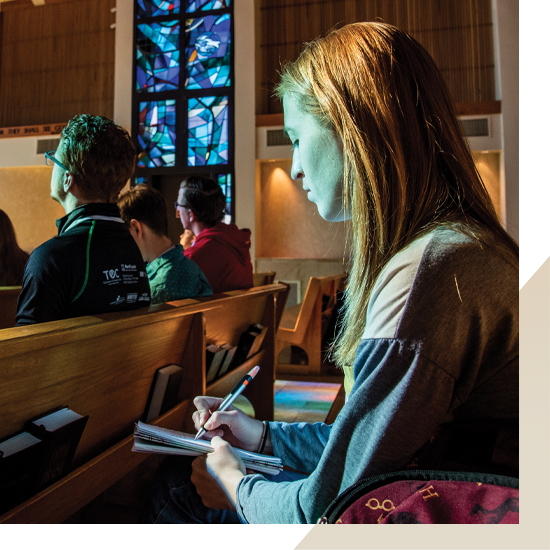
[(250, 343), (32, 459), (259, 333), (153, 439), (164, 391), (228, 359), (60, 430), (20, 459), (215, 356)]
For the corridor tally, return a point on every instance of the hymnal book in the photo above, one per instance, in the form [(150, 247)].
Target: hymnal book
[(249, 343), (164, 391), (227, 360), (153, 439), (20, 459), (214, 359), (259, 333), (60, 430)]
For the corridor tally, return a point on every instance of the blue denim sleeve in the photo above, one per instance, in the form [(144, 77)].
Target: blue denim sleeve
[(299, 445)]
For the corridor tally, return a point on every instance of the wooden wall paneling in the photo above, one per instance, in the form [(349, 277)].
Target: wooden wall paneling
[(457, 34), (57, 61)]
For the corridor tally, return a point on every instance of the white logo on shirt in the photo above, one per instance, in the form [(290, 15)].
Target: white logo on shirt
[(111, 274)]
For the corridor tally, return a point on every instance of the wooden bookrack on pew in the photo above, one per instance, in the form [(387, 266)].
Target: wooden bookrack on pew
[(103, 366), (263, 278)]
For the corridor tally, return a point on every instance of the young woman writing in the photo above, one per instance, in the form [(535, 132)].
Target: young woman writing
[(430, 333)]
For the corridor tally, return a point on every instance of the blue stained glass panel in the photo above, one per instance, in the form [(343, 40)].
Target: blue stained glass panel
[(203, 5), (225, 182), (208, 51), (208, 137), (157, 56), (157, 133), (152, 8)]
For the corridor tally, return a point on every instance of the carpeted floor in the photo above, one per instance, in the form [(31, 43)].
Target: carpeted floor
[(303, 401)]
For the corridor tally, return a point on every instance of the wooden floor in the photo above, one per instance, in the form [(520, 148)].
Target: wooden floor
[(295, 400)]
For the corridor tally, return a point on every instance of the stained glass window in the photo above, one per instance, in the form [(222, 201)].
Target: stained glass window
[(208, 132), (157, 133), (225, 182), (152, 8), (184, 91), (208, 51), (203, 5), (157, 56)]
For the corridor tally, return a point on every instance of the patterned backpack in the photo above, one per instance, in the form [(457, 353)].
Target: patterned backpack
[(427, 496)]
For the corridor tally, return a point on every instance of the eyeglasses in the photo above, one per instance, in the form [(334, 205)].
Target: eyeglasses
[(178, 205), (50, 160)]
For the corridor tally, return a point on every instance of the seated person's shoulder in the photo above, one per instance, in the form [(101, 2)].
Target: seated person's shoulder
[(449, 249), (176, 277)]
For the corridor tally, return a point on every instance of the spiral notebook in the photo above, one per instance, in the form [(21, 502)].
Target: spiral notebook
[(153, 439)]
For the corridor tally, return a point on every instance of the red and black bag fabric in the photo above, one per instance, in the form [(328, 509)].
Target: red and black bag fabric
[(428, 496)]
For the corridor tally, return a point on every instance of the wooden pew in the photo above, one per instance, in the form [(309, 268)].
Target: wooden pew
[(280, 304), (103, 369), (103, 366), (263, 278), (8, 305), (245, 307), (303, 325)]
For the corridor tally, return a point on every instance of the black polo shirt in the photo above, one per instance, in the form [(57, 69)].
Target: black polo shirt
[(92, 266)]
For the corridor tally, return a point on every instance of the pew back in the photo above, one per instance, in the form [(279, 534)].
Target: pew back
[(263, 278), (102, 369), (8, 305), (226, 317), (303, 325), (103, 366)]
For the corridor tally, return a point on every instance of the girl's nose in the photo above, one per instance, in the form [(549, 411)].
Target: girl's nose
[(297, 171)]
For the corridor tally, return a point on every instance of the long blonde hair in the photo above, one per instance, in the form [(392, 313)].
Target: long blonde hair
[(407, 167)]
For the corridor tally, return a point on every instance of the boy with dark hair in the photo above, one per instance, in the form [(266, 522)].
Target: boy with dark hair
[(93, 265), (171, 275), (222, 251)]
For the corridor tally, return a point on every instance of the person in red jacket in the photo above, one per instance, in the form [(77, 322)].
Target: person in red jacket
[(221, 250)]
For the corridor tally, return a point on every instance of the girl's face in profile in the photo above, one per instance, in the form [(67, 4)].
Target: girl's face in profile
[(317, 159)]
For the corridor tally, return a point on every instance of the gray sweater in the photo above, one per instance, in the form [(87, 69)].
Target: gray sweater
[(436, 383)]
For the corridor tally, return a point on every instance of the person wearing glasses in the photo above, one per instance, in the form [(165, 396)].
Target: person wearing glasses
[(221, 250), (172, 276), (93, 265)]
